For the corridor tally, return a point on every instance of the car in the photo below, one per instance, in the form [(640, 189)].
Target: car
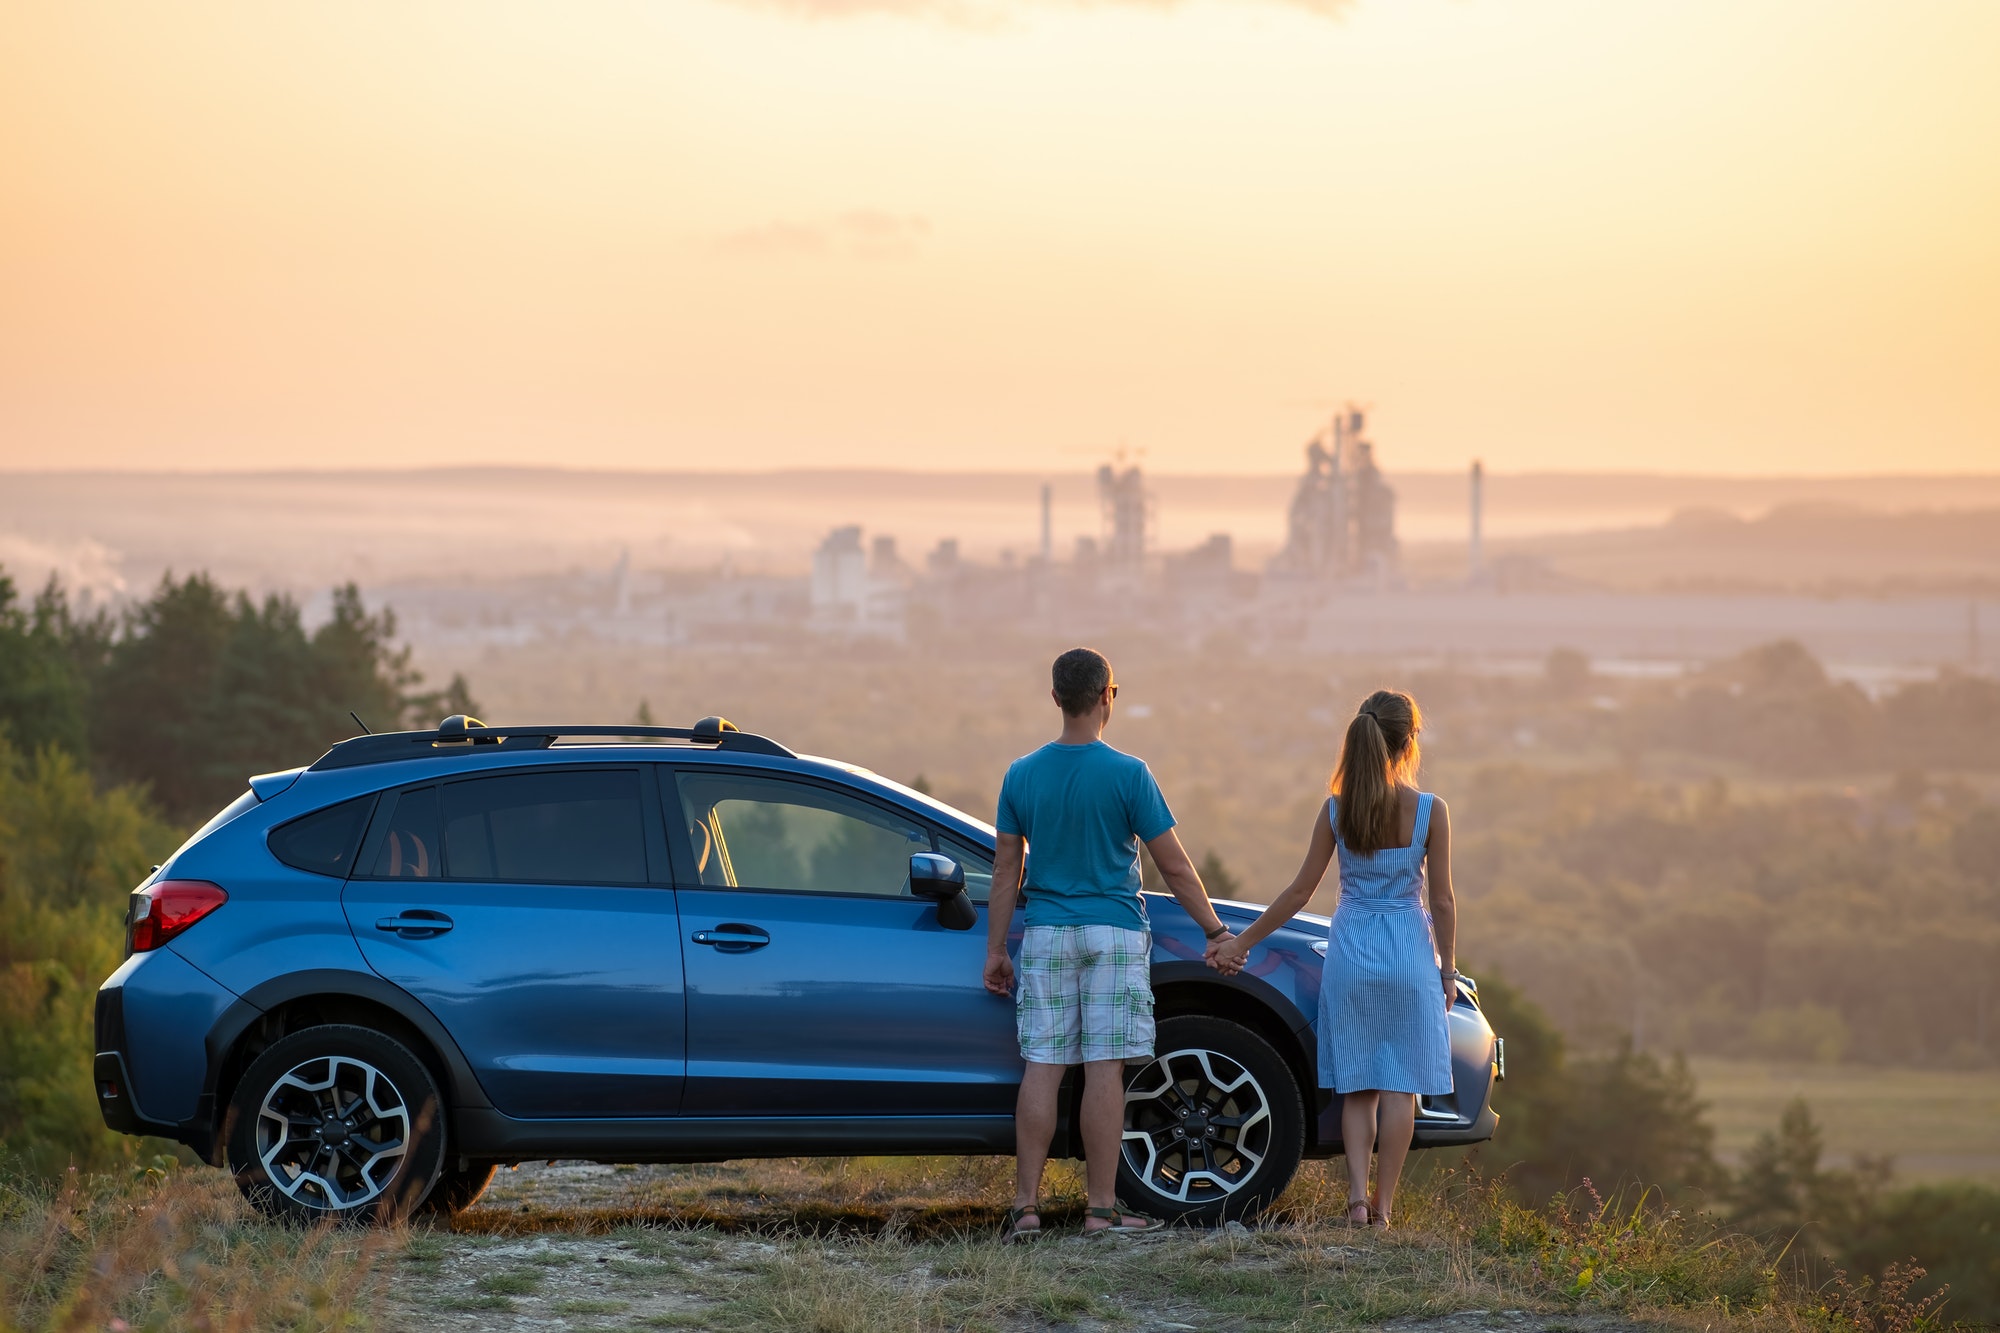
[(369, 982)]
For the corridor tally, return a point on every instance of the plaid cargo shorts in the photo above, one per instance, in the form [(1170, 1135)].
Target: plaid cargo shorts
[(1086, 994)]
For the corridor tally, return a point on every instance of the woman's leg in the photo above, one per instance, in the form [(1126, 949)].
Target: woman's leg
[(1357, 1139), (1395, 1124)]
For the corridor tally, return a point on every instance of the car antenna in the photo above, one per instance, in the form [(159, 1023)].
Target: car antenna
[(359, 723)]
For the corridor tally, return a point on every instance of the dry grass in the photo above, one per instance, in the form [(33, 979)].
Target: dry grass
[(173, 1249), (903, 1245), (907, 1245)]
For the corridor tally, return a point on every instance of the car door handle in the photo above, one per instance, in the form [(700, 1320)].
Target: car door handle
[(416, 924), (733, 938)]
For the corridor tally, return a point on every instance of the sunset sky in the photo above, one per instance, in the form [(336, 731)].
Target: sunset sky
[(1686, 235)]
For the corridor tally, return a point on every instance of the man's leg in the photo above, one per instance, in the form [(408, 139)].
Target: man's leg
[(1034, 1128), (1050, 1022), (1103, 1132), (1117, 1027)]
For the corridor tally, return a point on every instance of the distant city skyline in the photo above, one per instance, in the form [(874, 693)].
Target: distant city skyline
[(1685, 236)]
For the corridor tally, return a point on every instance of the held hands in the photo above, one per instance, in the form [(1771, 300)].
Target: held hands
[(1226, 954), (1450, 989), (1000, 974)]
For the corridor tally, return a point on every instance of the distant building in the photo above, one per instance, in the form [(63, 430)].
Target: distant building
[(1375, 550), (1122, 496), (1342, 521), (943, 562), (851, 595)]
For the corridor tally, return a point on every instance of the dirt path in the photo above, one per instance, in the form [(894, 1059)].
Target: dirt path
[(838, 1250)]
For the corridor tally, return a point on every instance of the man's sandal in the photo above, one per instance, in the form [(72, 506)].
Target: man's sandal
[(1013, 1233), (1116, 1217)]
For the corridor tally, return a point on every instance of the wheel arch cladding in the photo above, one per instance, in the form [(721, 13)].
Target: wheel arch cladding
[(307, 999), (1216, 999)]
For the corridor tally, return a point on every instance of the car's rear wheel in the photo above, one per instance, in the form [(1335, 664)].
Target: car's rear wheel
[(457, 1190), (336, 1123), (1214, 1126)]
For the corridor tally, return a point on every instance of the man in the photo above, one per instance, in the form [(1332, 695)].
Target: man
[(1086, 959)]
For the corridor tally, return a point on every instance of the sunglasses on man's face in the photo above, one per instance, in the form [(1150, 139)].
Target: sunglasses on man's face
[(1114, 691)]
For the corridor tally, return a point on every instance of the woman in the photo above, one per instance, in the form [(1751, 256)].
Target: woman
[(1389, 978)]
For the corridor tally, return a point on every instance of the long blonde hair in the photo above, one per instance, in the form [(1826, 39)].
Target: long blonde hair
[(1380, 751)]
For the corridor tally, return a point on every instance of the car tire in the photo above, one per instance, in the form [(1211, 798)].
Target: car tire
[(336, 1123), (457, 1190), (1214, 1125)]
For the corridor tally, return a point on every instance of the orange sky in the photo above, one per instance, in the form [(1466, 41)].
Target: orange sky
[(1692, 235)]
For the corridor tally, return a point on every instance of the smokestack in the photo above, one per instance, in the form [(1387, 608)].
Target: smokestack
[(1476, 556), (1048, 525)]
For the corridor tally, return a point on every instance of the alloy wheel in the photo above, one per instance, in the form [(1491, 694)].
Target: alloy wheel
[(1197, 1126), (331, 1132)]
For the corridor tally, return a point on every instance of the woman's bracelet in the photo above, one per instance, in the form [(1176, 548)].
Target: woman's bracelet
[(1218, 932)]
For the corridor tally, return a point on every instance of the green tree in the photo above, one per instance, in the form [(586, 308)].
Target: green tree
[(68, 858), (45, 660), (1621, 1119), (1953, 1230), (200, 690), (1783, 1191)]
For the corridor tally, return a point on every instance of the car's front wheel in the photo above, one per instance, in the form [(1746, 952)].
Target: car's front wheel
[(336, 1123), (1214, 1126)]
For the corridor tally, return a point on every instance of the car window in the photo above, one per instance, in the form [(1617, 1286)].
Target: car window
[(978, 866), (548, 828), (768, 833), (410, 849), (324, 841)]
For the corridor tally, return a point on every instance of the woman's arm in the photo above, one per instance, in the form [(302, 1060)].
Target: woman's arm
[(1228, 956), (1444, 907)]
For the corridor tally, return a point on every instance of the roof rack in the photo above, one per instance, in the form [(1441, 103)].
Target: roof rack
[(459, 732)]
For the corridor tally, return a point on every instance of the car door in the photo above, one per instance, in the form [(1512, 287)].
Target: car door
[(816, 983), (532, 912)]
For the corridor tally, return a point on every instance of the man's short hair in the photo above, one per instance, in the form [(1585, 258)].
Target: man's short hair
[(1080, 676)]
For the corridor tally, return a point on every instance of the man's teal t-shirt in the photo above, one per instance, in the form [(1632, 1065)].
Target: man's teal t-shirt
[(1084, 810)]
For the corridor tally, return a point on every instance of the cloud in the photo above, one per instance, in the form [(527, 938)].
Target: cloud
[(990, 13), (860, 234)]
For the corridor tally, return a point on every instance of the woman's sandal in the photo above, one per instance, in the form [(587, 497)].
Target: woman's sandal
[(1013, 1233), (1367, 1215), (1116, 1216), (1377, 1221)]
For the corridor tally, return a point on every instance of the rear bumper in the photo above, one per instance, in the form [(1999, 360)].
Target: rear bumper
[(115, 1102), (151, 1062)]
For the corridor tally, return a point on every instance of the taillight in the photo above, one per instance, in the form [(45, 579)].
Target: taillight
[(162, 911)]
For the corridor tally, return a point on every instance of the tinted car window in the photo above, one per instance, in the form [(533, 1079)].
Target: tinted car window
[(324, 841), (410, 850), (549, 828), (767, 833)]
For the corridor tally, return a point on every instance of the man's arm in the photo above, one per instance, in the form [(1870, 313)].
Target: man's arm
[(1172, 861), (1009, 855)]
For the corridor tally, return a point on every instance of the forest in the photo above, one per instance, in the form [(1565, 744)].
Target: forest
[(1620, 907)]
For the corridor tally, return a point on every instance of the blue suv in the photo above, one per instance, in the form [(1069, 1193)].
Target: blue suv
[(369, 982)]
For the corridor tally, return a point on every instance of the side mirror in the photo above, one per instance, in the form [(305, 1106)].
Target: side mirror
[(942, 880)]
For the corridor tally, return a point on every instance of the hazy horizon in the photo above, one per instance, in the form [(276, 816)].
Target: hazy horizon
[(865, 470)]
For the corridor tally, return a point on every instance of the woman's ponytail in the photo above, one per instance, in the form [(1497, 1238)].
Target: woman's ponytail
[(1379, 752)]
